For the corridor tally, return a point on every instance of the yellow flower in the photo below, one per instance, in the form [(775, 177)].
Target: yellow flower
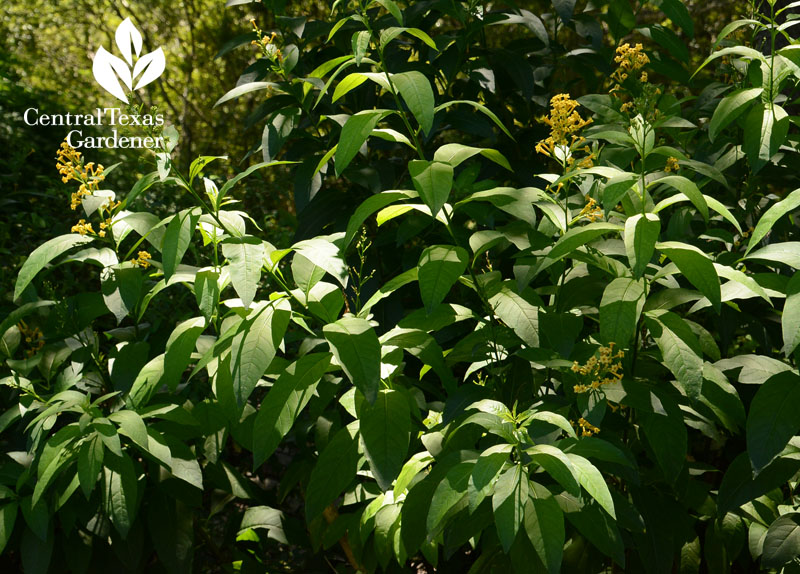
[(82, 227), (629, 60), (591, 211), (605, 368), (587, 428), (142, 260), (70, 166), (672, 164), (564, 122)]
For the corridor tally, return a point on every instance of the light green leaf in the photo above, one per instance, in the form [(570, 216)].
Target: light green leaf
[(355, 132), (246, 256), (620, 309), (679, 347), (782, 541), (557, 465), (385, 432), (411, 468), (324, 252), (773, 419), (487, 468), (773, 214), (787, 253), (687, 188), (544, 525), (433, 181), (592, 480), (369, 206), (696, 267), (579, 236), (730, 108), (90, 462), (455, 154), (357, 349), (244, 89), (43, 255), (519, 314), (439, 268), (641, 235), (790, 319), (284, 402), (508, 502), (120, 496), (417, 93), (391, 286)]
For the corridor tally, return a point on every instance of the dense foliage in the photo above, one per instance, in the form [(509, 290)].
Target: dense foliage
[(541, 312)]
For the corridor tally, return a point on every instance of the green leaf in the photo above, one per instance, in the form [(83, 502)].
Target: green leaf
[(481, 108), (518, 313), (782, 542), (439, 268), (730, 108), (774, 418), (244, 89), (385, 431), (579, 236), (544, 525), (765, 131), (641, 235), (433, 181), (696, 267), (616, 188), (739, 486), (455, 154), (412, 467), (787, 253), (451, 491), (240, 176), (360, 44), (368, 207), (592, 480), (120, 494), (131, 425), (358, 350), (334, 471), (355, 132), (679, 347), (285, 400), (196, 167), (180, 346), (773, 214), (418, 96), (254, 346), (687, 188), (142, 184), (564, 9), (324, 252), (487, 468), (8, 516), (393, 9), (90, 462), (790, 319), (557, 465), (595, 525), (246, 256), (43, 255), (206, 290), (620, 309), (677, 11), (347, 84), (508, 502), (391, 286)]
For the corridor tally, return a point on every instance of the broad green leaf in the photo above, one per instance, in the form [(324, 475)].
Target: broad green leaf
[(357, 349), (246, 256), (180, 346), (782, 542), (455, 154), (544, 525), (592, 480), (579, 236), (360, 44), (416, 91), (787, 253), (131, 425), (333, 472), (325, 253), (687, 188), (147, 381), (730, 108), (43, 255), (508, 502), (773, 419), (557, 465), (8, 516), (368, 207), (348, 83), (385, 432), (244, 89), (766, 127), (120, 496), (433, 181), (790, 319), (594, 524), (390, 287), (254, 346), (679, 14), (393, 9), (228, 185), (616, 188), (285, 400), (641, 235), (518, 313), (197, 166), (679, 347), (439, 268), (739, 486), (620, 309), (773, 214), (742, 51), (481, 108), (90, 462), (412, 467), (696, 267), (449, 492), (355, 132), (206, 290), (487, 468)]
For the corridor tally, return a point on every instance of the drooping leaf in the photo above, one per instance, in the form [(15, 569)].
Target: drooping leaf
[(416, 91), (357, 349), (334, 470), (385, 428), (696, 267), (246, 256), (433, 181), (439, 268), (43, 255), (544, 525), (782, 542), (641, 235), (355, 132), (774, 418), (620, 309), (508, 502), (679, 347)]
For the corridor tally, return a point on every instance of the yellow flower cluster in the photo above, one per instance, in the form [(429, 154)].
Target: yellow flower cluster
[(587, 428), (142, 260), (82, 227), (69, 164), (591, 210), (33, 337), (629, 59), (672, 164), (602, 370), (267, 43), (564, 121)]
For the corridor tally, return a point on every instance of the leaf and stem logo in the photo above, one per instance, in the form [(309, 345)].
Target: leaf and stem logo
[(112, 73)]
